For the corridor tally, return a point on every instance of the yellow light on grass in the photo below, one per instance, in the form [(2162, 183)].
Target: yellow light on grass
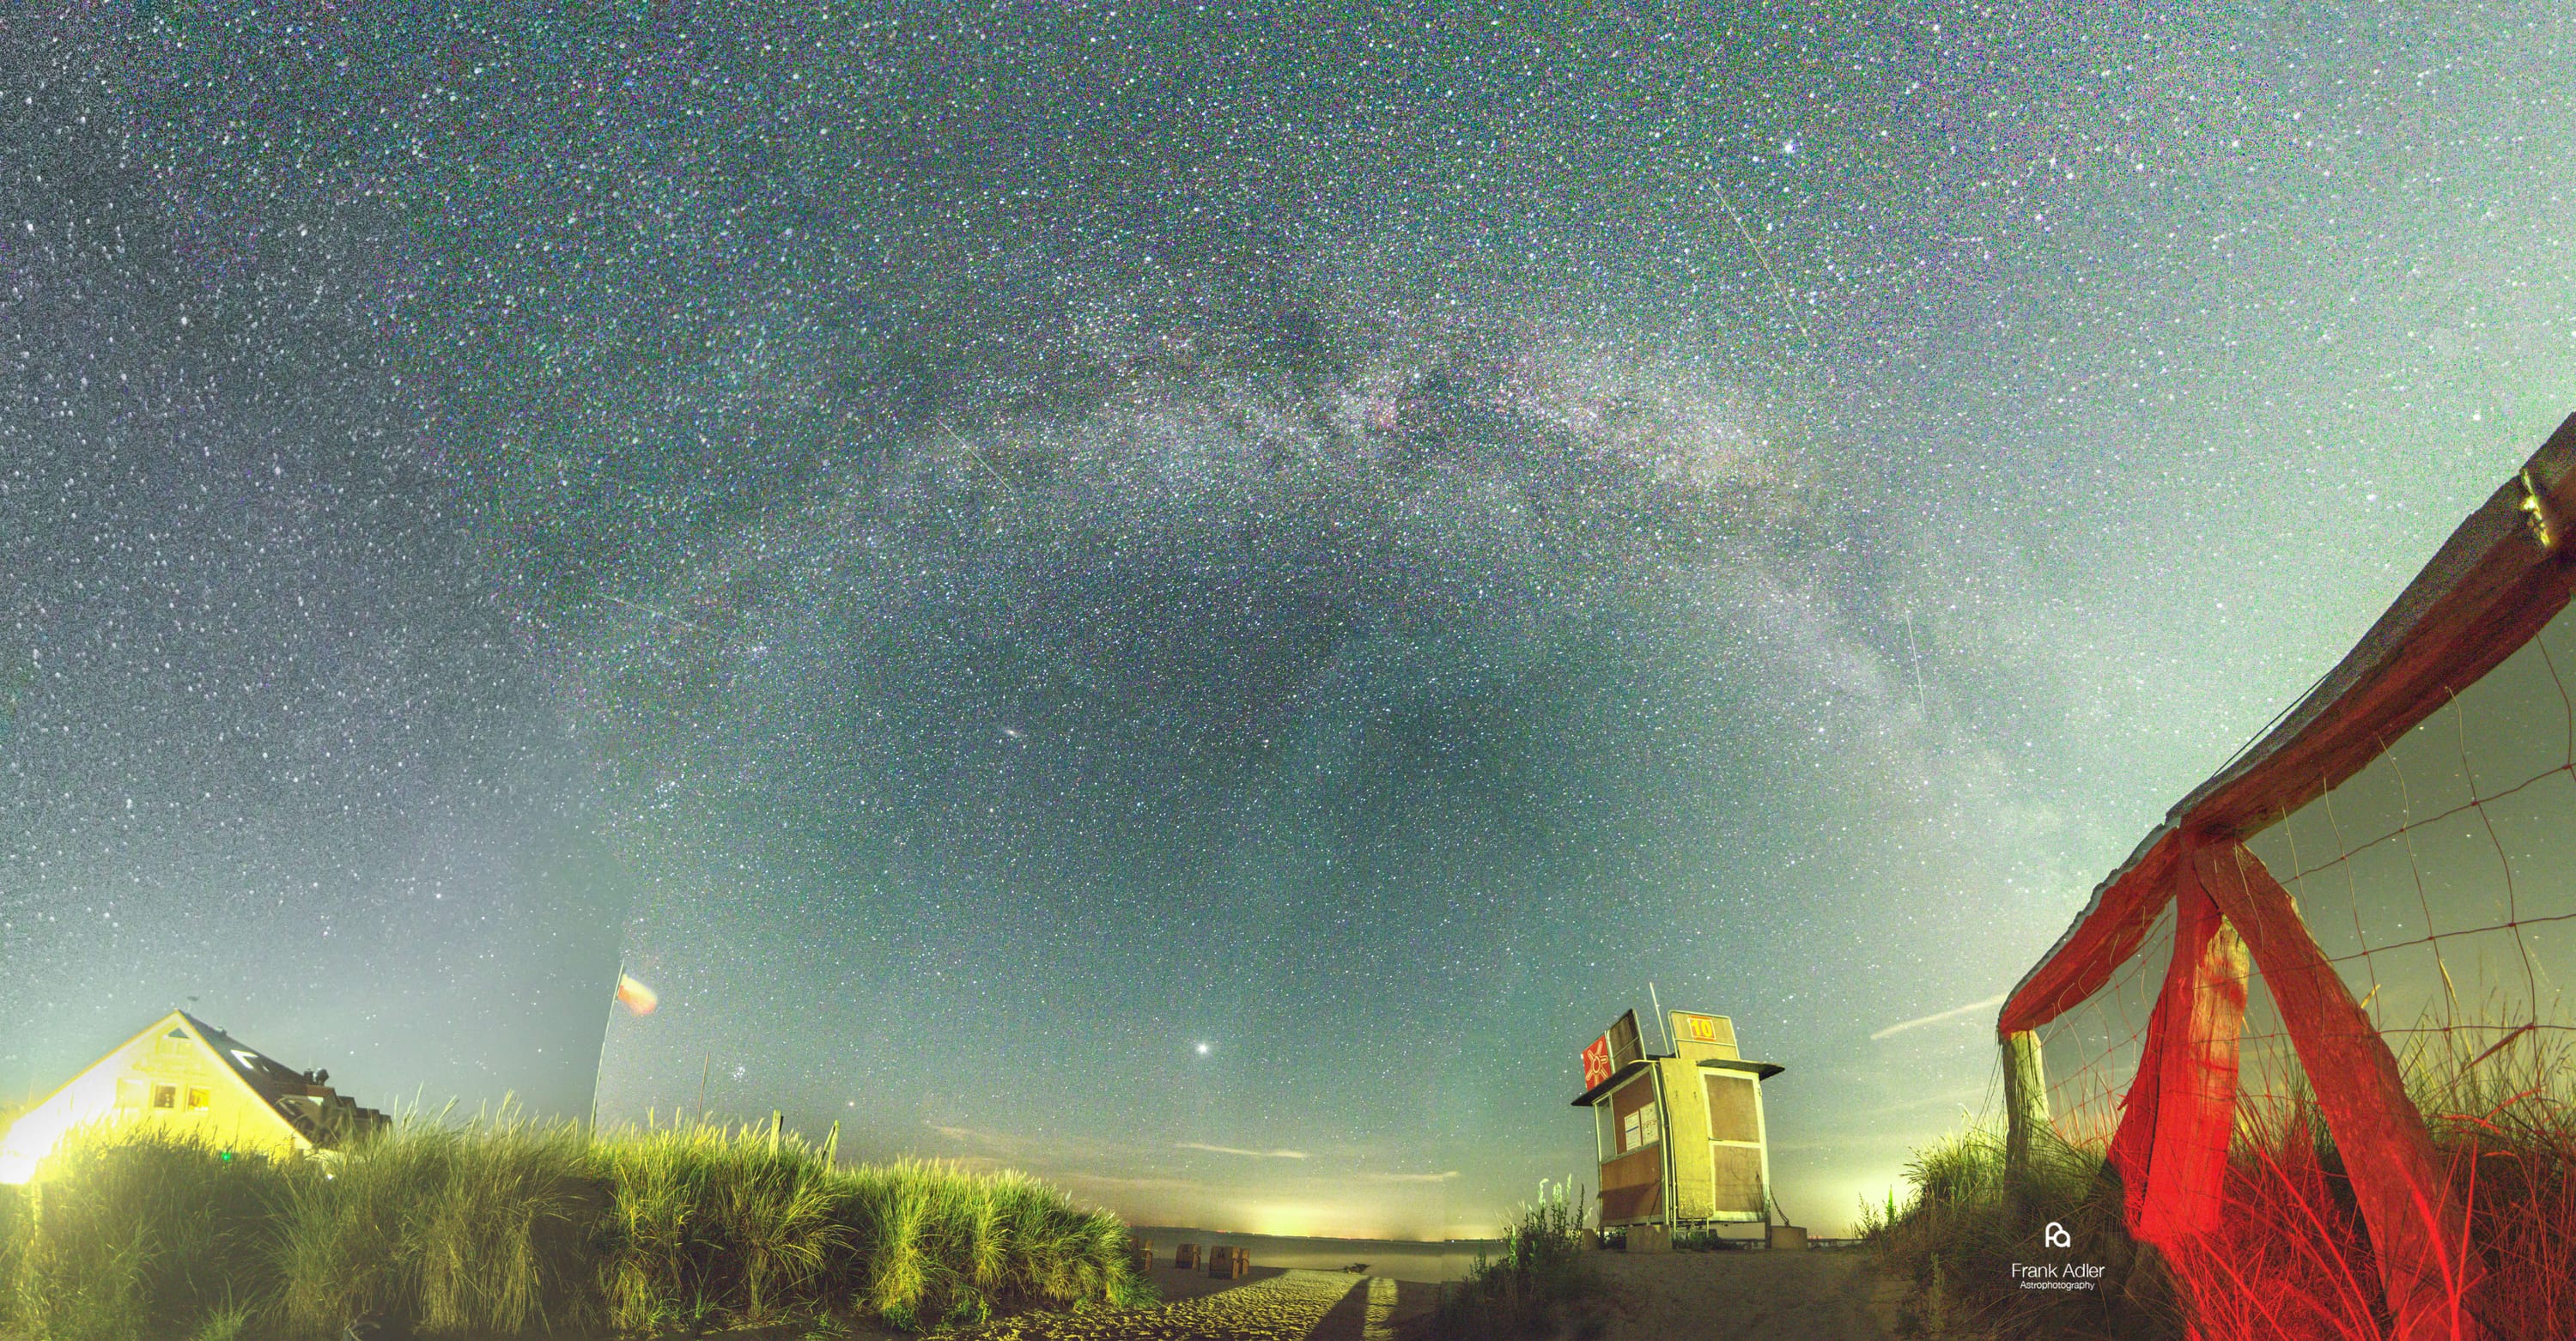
[(32, 1137)]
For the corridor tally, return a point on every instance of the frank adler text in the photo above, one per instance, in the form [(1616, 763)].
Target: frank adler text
[(2057, 1275)]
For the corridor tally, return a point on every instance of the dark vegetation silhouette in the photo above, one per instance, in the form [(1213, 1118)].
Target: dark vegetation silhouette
[(1539, 1283)]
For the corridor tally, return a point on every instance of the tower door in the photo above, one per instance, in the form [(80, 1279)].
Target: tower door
[(1735, 1144)]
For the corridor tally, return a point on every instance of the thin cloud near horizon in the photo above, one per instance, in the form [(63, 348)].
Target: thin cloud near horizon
[(1233, 1150)]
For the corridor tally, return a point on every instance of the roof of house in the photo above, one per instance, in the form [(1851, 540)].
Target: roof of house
[(318, 1113)]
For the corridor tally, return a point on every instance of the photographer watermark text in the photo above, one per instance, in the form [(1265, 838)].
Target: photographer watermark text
[(2057, 1275)]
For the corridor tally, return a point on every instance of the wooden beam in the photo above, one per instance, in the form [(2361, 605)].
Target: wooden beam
[(2492, 586), (2181, 1111), (2417, 1226), (2108, 931), (2025, 1104)]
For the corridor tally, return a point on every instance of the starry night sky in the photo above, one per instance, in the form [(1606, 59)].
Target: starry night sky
[(979, 551)]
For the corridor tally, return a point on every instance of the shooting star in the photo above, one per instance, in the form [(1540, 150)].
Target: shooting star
[(659, 614), (1938, 1016), (962, 445)]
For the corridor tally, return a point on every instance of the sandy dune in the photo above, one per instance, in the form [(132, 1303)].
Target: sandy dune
[(1746, 1296), (1825, 1295), (1274, 1305)]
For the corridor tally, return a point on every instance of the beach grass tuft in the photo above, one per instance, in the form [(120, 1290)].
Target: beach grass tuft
[(1956, 1238), (2292, 1257), (1536, 1282), (471, 1229), (140, 1234), (506, 1226)]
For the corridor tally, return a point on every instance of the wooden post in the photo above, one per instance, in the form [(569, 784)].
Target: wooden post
[(2432, 1277), (2025, 1103), (777, 1120), (2180, 1114)]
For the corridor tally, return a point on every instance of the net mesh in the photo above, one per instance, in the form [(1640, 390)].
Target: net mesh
[(2089, 1053), (2441, 879), (2439, 884)]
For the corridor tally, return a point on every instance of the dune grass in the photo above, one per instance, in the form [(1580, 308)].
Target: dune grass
[(1533, 1288), (1955, 1241), (2505, 1120), (154, 1236), (480, 1228), (507, 1227), (2293, 1257), (13, 1238)]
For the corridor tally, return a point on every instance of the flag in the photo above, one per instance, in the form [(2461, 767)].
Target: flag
[(637, 997), (1596, 1061)]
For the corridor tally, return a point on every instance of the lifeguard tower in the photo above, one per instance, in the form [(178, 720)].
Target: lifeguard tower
[(1679, 1134)]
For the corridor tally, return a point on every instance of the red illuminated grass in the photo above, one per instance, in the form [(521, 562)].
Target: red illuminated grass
[(2293, 1259)]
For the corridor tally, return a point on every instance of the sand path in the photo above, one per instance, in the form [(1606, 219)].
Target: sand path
[(1730, 1296), (1825, 1295), (1286, 1306)]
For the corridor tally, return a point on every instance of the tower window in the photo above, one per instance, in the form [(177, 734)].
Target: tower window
[(200, 1098), (165, 1096), (1640, 1128)]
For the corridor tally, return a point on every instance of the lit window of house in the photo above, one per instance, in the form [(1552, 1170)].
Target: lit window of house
[(200, 1098), (165, 1096)]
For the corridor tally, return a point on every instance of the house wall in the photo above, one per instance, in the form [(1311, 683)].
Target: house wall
[(1632, 1175), (1633, 1094), (1713, 1181), (1632, 1186), (1686, 1126), (120, 1088), (1737, 1173)]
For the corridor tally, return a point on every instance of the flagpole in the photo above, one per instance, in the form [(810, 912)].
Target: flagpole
[(601, 1064)]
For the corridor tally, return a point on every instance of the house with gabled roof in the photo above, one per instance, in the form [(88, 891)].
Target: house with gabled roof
[(188, 1077)]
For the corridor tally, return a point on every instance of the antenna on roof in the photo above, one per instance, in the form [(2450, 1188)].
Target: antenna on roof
[(1660, 1021)]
